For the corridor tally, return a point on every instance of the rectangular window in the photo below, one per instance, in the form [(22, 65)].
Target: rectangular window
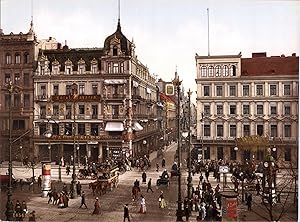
[(42, 128), (94, 129), (122, 67), (81, 128), (206, 109), (26, 57), (260, 130), (55, 129), (109, 67), (232, 131), (17, 100), (43, 91), (246, 130), (246, 90), (273, 130), (55, 110), (8, 59), (273, 90), (68, 129), (115, 109), (259, 90), (246, 109), (81, 89), (55, 90), (18, 124), (287, 154), (26, 79), (43, 112), (220, 153), (68, 70), (81, 70), (95, 89), (94, 111), (232, 90), (232, 153), (287, 110), (7, 77), (17, 78), (206, 130), (26, 101), (287, 90), (68, 89), (116, 68), (81, 109), (206, 153), (94, 69), (259, 109), (18, 59), (219, 130), (115, 89), (206, 90), (219, 90), (68, 111), (287, 131), (7, 101), (219, 109), (273, 110), (232, 109)]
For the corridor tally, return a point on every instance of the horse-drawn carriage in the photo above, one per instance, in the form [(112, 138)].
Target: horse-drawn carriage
[(84, 174), (163, 179), (174, 170), (107, 179)]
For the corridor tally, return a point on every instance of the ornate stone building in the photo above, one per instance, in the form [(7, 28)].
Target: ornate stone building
[(100, 101), (239, 97)]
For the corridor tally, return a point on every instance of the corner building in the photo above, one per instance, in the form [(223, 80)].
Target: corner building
[(100, 101), (239, 97)]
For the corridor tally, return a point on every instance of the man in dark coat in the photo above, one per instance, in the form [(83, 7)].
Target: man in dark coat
[(144, 177), (126, 213), (249, 201), (96, 206), (83, 200), (78, 188)]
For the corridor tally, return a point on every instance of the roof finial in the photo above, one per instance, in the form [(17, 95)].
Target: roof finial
[(31, 23), (119, 25)]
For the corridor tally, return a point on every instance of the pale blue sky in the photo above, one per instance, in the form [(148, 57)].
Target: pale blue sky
[(166, 32)]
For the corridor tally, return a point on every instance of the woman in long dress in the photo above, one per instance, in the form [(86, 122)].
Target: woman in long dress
[(97, 206), (143, 205), (161, 200)]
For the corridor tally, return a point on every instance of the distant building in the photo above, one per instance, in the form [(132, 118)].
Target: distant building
[(239, 97)]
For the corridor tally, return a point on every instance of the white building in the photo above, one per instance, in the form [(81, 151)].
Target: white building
[(239, 97)]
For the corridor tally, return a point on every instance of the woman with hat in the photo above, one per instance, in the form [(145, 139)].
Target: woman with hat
[(97, 206)]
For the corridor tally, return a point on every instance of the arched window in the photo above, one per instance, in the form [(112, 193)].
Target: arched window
[(233, 70), (115, 51), (226, 70), (218, 70), (8, 58), (211, 71), (203, 71), (17, 58), (26, 57)]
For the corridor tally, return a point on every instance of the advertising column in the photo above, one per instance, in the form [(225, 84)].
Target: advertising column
[(229, 206), (46, 178)]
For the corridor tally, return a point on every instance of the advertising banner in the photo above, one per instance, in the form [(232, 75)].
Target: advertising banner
[(46, 178)]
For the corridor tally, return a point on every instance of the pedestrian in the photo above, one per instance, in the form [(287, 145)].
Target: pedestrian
[(163, 163), (186, 209), (126, 213), (143, 205), (161, 200), (157, 167), (50, 195), (200, 178), (149, 186), (207, 175), (66, 200), (96, 206), (68, 170), (18, 211), (78, 188), (65, 188), (32, 216), (257, 187), (24, 208), (202, 211), (249, 201), (144, 177), (83, 200), (40, 181)]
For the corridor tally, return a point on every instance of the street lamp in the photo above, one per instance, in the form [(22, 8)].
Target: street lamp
[(189, 179), (78, 155), (75, 95), (49, 148), (21, 150), (177, 83)]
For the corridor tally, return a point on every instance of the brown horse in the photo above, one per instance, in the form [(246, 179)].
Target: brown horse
[(135, 192), (93, 186)]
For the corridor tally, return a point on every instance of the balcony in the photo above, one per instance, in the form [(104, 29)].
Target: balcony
[(41, 97), (115, 96)]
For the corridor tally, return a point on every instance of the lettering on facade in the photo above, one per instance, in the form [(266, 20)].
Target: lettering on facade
[(78, 98)]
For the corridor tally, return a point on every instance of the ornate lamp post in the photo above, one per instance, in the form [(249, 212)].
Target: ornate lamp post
[(74, 92), (22, 158), (177, 83), (78, 150), (49, 148), (189, 179)]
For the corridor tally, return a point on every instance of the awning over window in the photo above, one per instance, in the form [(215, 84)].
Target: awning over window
[(137, 126), (114, 81), (135, 84), (114, 126)]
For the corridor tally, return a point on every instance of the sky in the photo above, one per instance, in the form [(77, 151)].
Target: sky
[(167, 33)]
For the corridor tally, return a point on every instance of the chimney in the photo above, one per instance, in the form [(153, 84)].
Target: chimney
[(294, 54), (259, 54), (282, 55)]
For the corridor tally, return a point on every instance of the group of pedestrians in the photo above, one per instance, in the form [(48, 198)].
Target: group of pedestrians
[(21, 210)]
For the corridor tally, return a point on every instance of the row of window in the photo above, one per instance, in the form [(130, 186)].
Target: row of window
[(273, 110), (218, 70), (287, 130), (17, 79), (17, 58), (16, 101), (232, 90), (246, 155)]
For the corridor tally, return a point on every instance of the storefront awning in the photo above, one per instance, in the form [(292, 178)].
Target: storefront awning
[(114, 81), (137, 127), (114, 126)]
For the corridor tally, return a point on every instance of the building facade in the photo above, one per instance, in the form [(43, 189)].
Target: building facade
[(101, 102), (18, 54), (243, 97)]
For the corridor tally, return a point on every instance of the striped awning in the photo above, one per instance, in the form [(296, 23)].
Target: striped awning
[(114, 126)]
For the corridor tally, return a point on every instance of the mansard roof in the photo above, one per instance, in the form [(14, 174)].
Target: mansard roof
[(121, 38), (74, 55)]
